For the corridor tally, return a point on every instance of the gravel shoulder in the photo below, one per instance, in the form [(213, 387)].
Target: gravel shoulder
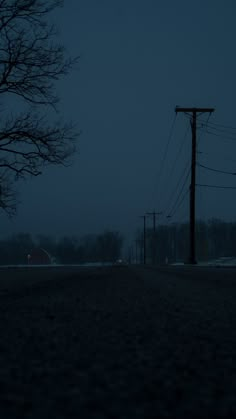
[(117, 343)]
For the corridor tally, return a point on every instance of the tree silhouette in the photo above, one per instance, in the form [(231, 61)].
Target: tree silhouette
[(31, 61)]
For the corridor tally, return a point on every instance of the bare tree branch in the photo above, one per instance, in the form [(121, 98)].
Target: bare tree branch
[(8, 195), (27, 144), (31, 61)]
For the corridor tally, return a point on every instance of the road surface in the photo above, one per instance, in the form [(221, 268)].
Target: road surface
[(118, 342)]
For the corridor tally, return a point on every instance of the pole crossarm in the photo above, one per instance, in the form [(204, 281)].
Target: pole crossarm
[(194, 110), (153, 213)]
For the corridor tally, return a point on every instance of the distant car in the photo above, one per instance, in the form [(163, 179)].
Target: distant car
[(120, 262)]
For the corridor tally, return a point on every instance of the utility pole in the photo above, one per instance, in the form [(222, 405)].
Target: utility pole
[(194, 112), (153, 214), (136, 251), (144, 238)]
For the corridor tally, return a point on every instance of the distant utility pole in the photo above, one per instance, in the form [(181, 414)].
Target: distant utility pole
[(144, 238), (136, 251), (154, 214), (194, 112)]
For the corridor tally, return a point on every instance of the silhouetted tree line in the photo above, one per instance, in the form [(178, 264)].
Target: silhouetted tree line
[(104, 247), (214, 238)]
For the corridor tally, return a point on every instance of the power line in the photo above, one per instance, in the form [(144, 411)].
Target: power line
[(224, 129), (165, 153), (176, 201), (212, 127), (215, 186), (178, 154), (180, 202), (218, 155), (216, 170), (179, 151), (209, 123), (183, 173), (223, 137), (217, 125)]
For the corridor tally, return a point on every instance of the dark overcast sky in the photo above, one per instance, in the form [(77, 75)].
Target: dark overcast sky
[(139, 59)]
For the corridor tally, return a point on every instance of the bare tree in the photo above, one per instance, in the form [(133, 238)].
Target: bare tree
[(31, 61), (8, 199)]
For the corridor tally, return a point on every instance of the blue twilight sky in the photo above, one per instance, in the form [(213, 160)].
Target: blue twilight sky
[(138, 60)]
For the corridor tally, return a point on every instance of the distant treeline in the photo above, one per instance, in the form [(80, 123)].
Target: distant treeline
[(105, 247), (214, 238)]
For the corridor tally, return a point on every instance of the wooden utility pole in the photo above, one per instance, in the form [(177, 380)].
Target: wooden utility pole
[(154, 214), (144, 238), (194, 112), (136, 251)]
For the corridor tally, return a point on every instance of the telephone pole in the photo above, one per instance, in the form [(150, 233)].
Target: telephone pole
[(144, 238), (194, 112), (136, 251), (154, 214)]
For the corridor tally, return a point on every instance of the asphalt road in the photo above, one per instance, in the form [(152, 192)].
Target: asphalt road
[(118, 342)]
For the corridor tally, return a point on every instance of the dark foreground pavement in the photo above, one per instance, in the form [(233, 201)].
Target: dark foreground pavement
[(118, 343)]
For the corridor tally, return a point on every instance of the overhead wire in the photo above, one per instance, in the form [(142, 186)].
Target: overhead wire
[(210, 123), (183, 173), (212, 127), (219, 130), (215, 186), (206, 125), (216, 170), (175, 206), (179, 151), (218, 155), (216, 124), (215, 134), (179, 204), (170, 174), (165, 154), (223, 132)]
